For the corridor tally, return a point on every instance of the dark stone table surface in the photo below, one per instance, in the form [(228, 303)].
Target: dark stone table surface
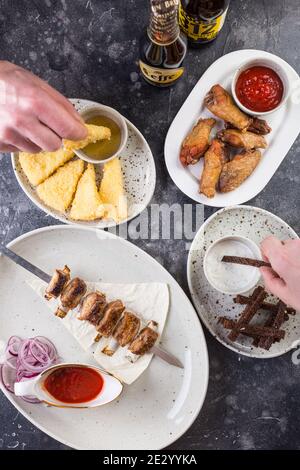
[(89, 49)]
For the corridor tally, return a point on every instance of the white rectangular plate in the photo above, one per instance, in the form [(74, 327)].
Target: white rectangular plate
[(285, 124)]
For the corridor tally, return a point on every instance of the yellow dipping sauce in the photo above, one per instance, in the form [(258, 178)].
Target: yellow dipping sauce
[(104, 148)]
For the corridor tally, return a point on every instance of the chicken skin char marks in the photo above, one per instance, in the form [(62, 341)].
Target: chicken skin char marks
[(127, 328), (214, 159), (73, 293), (93, 307), (112, 315), (220, 103), (197, 141), (57, 283), (144, 341), (246, 140)]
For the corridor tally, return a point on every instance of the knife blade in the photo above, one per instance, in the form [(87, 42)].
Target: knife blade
[(25, 264), (167, 357), (164, 355)]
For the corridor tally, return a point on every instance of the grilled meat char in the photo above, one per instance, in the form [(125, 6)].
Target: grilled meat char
[(127, 328), (112, 315), (57, 283), (73, 293), (145, 340), (93, 307)]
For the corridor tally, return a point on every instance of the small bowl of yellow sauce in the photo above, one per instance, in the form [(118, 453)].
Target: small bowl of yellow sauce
[(104, 150)]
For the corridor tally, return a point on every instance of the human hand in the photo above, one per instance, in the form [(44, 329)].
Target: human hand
[(34, 116), (283, 280)]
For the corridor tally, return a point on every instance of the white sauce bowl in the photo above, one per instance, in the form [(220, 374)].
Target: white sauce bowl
[(229, 278)]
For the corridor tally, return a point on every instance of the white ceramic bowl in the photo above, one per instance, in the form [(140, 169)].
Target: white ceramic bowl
[(101, 110), (265, 62), (228, 278)]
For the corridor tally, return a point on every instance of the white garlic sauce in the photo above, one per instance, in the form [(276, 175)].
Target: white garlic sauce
[(229, 276)]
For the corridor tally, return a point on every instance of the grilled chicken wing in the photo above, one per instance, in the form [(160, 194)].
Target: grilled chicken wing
[(234, 173), (92, 307), (57, 283), (220, 103), (214, 160), (258, 126), (145, 340), (127, 328), (197, 141), (246, 140), (112, 315)]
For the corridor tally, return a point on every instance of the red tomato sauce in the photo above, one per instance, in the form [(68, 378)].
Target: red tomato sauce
[(259, 89), (74, 384)]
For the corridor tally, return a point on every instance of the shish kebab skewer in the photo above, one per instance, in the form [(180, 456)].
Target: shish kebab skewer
[(110, 319), (164, 355)]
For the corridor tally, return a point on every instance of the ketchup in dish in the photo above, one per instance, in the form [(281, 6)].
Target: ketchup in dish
[(259, 89), (73, 384)]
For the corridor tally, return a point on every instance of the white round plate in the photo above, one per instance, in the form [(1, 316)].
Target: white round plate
[(284, 123), (139, 177), (163, 403), (253, 223)]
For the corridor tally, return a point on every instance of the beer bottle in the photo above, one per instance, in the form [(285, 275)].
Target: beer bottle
[(202, 20), (163, 47)]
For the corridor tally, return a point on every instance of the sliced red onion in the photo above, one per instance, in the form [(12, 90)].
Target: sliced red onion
[(25, 359)]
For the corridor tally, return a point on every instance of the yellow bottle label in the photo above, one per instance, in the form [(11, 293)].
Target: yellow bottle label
[(199, 29), (158, 75)]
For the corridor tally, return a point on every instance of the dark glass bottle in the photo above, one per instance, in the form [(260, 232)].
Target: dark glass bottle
[(163, 47), (202, 20)]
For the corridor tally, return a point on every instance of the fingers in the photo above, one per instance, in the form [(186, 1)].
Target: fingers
[(43, 137), (274, 251), (273, 283), (57, 97), (8, 148), (18, 141), (59, 119)]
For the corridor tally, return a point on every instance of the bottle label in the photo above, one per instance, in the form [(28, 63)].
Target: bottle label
[(198, 29), (159, 75)]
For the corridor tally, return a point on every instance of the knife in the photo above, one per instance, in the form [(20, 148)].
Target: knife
[(164, 355)]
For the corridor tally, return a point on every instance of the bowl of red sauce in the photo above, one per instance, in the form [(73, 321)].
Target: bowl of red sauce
[(260, 86), (72, 385)]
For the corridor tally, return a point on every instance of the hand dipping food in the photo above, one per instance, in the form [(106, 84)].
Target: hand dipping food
[(231, 278), (74, 384), (259, 89), (105, 150)]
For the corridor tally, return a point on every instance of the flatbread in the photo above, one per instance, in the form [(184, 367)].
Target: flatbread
[(149, 301)]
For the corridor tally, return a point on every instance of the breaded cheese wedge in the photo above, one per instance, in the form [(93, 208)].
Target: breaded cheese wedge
[(58, 190), (87, 204), (112, 191), (95, 133), (39, 166)]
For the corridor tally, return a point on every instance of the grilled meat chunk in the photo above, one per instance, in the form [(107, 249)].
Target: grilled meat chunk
[(127, 329), (57, 283), (73, 293), (145, 340), (92, 307), (112, 315)]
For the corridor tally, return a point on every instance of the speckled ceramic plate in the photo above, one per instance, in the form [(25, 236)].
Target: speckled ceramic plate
[(162, 404), (139, 177), (255, 224), (284, 123)]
